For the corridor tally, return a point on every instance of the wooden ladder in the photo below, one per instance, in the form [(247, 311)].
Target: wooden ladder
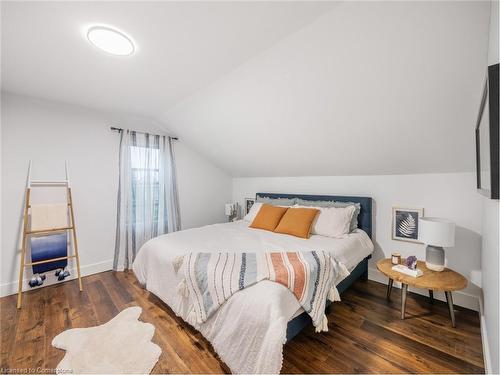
[(27, 232)]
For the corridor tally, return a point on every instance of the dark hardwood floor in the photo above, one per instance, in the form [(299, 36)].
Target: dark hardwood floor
[(365, 333)]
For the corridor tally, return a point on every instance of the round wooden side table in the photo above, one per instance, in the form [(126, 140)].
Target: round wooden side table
[(445, 281)]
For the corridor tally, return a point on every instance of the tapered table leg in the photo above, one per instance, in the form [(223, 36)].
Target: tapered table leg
[(449, 299), (404, 290), (431, 295), (389, 288)]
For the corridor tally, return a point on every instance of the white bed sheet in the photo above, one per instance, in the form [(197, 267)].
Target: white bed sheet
[(249, 330)]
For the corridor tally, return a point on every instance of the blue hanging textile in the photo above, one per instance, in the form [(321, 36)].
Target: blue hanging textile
[(49, 247)]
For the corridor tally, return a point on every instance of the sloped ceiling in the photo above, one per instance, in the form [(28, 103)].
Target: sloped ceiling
[(273, 88), (368, 88), (181, 47)]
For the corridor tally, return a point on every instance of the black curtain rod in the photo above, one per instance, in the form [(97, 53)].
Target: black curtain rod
[(120, 130)]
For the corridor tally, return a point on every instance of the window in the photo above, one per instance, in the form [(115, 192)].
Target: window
[(147, 198), (145, 187)]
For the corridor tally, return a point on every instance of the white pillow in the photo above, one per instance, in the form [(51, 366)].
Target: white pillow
[(332, 221), (254, 210)]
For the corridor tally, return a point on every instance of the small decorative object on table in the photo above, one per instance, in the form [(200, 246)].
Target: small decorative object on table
[(411, 262), (407, 271), (409, 267), (396, 258)]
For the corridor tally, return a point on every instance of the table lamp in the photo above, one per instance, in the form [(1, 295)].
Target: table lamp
[(436, 233)]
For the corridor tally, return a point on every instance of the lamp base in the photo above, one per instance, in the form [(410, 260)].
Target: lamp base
[(434, 258)]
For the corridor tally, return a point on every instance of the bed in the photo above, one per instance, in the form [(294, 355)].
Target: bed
[(249, 330)]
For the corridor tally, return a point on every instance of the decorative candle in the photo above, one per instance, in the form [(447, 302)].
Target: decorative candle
[(395, 258)]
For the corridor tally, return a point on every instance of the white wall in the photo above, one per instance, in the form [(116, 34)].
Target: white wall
[(490, 266), (203, 189), (494, 40), (49, 133), (490, 250), (451, 196)]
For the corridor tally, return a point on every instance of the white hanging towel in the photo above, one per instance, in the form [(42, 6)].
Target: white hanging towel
[(49, 216)]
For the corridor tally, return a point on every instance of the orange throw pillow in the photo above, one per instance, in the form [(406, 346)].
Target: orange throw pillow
[(268, 217), (297, 222)]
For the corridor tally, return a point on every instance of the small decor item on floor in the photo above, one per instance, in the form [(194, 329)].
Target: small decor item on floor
[(61, 274), (405, 223), (36, 280), (411, 262), (121, 346)]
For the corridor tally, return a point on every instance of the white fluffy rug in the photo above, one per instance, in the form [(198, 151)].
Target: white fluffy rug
[(122, 345)]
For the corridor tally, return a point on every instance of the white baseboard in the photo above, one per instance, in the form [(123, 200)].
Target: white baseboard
[(484, 338), (466, 300), (89, 269)]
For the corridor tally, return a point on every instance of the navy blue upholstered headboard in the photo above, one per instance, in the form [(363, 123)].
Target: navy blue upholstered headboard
[(365, 215)]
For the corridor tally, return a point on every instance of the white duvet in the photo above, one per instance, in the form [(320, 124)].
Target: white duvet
[(249, 330)]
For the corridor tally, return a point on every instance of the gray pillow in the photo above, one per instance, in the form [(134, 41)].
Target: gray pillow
[(277, 201), (354, 220), (303, 202)]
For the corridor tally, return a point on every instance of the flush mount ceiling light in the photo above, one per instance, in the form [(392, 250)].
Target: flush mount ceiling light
[(110, 40)]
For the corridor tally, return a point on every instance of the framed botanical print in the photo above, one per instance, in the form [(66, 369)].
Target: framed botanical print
[(405, 223), (248, 204)]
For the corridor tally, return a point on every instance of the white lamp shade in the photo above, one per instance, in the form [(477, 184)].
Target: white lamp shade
[(436, 232)]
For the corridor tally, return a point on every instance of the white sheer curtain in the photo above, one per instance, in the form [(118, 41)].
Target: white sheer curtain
[(148, 203)]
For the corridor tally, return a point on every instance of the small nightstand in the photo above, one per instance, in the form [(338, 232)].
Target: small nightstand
[(445, 281)]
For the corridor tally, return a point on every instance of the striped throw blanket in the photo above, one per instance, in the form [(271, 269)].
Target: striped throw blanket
[(210, 279)]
